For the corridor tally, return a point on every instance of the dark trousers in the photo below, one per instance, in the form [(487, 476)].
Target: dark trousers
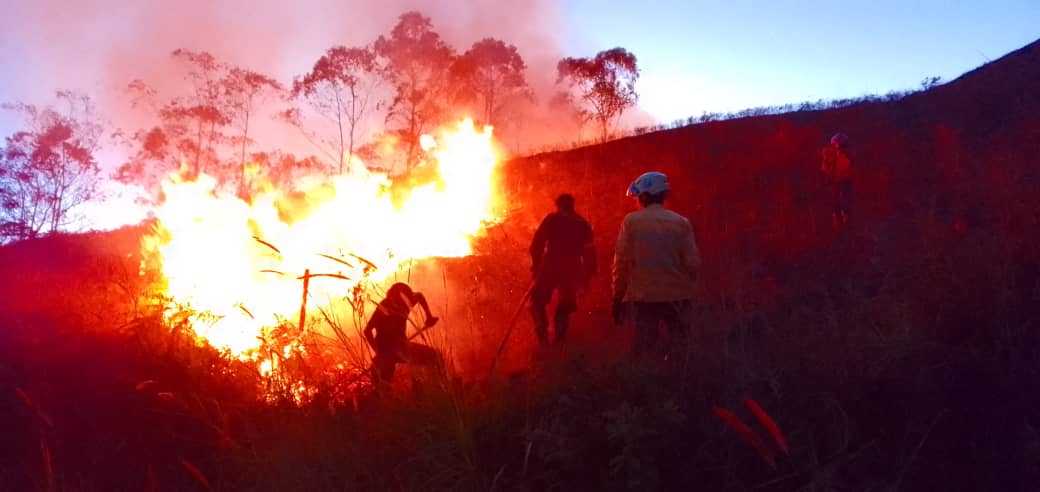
[(385, 361), (648, 318), (842, 199), (566, 288)]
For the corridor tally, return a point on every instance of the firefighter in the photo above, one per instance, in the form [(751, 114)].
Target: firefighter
[(563, 260), (656, 261), (837, 167), (390, 323)]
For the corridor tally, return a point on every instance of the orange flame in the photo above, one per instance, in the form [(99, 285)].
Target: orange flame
[(240, 263)]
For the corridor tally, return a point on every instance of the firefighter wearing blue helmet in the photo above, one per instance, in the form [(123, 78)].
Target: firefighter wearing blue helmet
[(656, 260)]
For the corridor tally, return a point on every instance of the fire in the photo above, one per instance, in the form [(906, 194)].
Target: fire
[(240, 265)]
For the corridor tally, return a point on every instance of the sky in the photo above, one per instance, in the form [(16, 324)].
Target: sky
[(695, 56), (728, 55)]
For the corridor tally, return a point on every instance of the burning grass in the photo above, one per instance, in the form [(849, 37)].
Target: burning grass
[(900, 355), (285, 280), (866, 389)]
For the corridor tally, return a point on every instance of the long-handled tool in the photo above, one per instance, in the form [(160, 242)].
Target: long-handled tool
[(509, 330)]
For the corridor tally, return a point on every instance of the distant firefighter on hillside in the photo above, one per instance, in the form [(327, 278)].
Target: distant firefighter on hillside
[(837, 167)]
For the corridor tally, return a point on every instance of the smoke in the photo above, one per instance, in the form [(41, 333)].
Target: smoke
[(98, 46)]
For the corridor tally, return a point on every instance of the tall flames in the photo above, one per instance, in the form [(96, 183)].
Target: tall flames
[(239, 265)]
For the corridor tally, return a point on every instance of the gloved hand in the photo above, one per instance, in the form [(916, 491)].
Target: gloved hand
[(432, 320), (618, 311)]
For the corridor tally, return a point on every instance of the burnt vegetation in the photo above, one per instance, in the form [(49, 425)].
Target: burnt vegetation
[(900, 353)]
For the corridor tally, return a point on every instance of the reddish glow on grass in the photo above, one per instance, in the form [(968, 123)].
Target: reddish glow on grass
[(769, 424), (749, 436)]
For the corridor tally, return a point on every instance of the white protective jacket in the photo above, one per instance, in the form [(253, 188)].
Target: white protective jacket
[(656, 257)]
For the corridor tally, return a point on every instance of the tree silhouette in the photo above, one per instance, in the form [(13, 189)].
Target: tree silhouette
[(340, 87), (206, 129), (48, 169), (417, 62), (204, 112), (189, 127), (490, 75), (605, 83), (243, 90)]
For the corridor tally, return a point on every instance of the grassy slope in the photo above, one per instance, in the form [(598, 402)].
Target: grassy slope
[(901, 354)]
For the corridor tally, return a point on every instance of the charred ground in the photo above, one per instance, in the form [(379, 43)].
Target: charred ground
[(900, 353)]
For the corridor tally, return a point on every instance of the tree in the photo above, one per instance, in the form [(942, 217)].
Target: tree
[(243, 90), (606, 84), (491, 76), (189, 126), (204, 110), (48, 169), (205, 129), (416, 62), (339, 87), (930, 82)]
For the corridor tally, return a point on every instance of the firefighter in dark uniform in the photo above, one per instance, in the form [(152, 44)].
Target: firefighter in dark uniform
[(390, 324), (563, 260)]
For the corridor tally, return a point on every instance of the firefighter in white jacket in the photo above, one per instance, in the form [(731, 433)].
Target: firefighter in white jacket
[(655, 265)]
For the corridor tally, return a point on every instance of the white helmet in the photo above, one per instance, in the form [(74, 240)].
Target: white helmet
[(652, 182)]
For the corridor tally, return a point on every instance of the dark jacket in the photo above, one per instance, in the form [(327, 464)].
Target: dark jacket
[(563, 245), (390, 319)]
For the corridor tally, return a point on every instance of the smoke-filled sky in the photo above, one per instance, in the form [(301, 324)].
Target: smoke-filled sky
[(696, 56), (100, 45)]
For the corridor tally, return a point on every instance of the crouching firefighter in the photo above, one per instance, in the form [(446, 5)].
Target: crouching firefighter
[(655, 266), (563, 260), (390, 341)]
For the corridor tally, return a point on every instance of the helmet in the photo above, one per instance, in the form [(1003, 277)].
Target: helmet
[(652, 182), (840, 139)]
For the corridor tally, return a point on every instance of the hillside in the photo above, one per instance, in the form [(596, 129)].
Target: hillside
[(899, 354), (968, 150)]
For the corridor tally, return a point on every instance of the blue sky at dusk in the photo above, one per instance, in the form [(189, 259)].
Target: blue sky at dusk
[(695, 56), (728, 55)]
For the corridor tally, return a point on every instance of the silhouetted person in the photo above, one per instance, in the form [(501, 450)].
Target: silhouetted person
[(390, 323), (655, 266), (837, 167), (563, 260)]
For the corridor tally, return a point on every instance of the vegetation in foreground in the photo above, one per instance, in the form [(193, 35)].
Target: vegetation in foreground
[(901, 354), (901, 376)]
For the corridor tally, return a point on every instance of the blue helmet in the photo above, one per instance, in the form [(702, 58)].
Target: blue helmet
[(652, 183)]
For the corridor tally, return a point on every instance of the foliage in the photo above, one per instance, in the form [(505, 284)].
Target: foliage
[(244, 91), (340, 87), (48, 169), (490, 76), (605, 83), (897, 354), (871, 357), (207, 130), (416, 62)]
